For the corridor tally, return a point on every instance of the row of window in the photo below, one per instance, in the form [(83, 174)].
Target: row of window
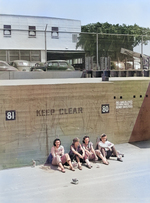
[(32, 32)]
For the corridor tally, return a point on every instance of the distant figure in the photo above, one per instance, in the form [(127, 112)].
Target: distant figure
[(77, 153), (58, 157), (107, 148), (90, 153)]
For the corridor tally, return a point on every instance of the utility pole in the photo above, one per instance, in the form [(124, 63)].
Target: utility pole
[(45, 44), (142, 46), (142, 53), (97, 50)]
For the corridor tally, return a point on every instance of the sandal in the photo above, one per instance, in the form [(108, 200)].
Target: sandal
[(72, 169), (63, 170), (79, 167), (106, 163), (119, 159), (89, 166)]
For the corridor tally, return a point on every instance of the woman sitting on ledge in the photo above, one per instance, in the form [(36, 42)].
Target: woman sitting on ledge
[(57, 156), (77, 153), (90, 153), (107, 148)]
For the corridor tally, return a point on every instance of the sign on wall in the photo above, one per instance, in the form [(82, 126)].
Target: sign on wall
[(105, 108), (10, 115), (62, 111), (124, 104)]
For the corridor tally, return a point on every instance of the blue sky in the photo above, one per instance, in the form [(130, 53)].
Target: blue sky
[(126, 12)]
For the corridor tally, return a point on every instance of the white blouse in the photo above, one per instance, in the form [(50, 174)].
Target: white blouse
[(107, 145)]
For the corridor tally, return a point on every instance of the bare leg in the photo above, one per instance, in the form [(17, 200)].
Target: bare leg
[(88, 163), (94, 152), (69, 162), (116, 154), (61, 166), (103, 153), (57, 162), (102, 156), (115, 151), (79, 164)]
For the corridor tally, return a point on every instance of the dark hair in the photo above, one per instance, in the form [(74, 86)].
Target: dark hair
[(85, 138), (57, 139), (103, 135), (76, 140)]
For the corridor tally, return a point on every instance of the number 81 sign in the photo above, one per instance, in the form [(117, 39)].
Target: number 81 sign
[(10, 115), (105, 108)]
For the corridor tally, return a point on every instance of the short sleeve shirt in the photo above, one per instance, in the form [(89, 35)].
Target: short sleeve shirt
[(59, 151), (88, 147)]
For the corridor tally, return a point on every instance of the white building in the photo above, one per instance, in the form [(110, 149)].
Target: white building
[(38, 38)]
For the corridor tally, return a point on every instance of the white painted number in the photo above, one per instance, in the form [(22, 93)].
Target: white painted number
[(10, 115), (105, 108)]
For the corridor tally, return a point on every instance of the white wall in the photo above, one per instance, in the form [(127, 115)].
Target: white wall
[(20, 39), (146, 49)]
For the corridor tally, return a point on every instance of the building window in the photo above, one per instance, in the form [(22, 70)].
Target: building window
[(7, 30), (54, 33), (74, 38), (32, 31)]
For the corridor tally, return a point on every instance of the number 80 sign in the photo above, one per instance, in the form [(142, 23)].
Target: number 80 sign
[(105, 108), (10, 115)]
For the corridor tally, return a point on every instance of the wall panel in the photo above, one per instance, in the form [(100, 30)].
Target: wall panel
[(44, 112)]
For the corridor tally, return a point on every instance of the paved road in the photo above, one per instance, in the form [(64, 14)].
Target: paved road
[(120, 182)]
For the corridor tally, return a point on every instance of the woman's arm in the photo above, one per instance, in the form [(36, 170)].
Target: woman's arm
[(62, 151), (92, 150), (83, 152), (53, 151), (99, 147), (107, 145), (75, 152), (86, 151)]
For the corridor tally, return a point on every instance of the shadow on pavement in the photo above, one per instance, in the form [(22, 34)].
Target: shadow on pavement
[(143, 144)]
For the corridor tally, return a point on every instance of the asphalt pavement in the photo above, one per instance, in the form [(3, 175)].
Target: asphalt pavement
[(119, 182)]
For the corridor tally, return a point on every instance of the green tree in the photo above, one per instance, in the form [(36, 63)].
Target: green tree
[(111, 38)]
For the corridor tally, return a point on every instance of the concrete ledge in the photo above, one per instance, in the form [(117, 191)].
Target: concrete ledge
[(13, 75)]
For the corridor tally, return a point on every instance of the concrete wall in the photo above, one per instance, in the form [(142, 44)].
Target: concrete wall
[(141, 130), (7, 75), (40, 113)]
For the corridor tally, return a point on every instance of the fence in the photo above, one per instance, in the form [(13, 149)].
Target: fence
[(97, 51), (115, 51)]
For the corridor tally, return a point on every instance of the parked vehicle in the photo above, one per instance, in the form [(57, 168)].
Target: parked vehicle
[(79, 66), (21, 65), (53, 65), (4, 66)]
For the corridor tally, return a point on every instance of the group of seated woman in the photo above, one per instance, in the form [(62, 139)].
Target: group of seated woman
[(82, 153)]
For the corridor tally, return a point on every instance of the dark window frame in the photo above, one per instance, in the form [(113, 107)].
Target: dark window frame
[(54, 31), (32, 29), (7, 28)]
